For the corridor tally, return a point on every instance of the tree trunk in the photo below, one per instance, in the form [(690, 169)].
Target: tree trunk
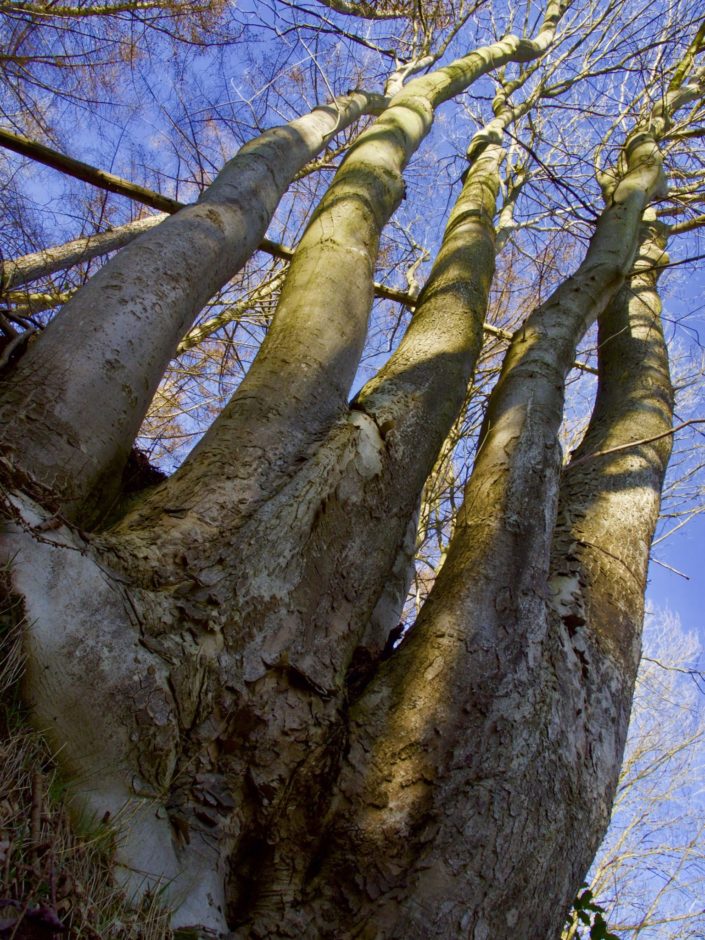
[(19, 271), (215, 664)]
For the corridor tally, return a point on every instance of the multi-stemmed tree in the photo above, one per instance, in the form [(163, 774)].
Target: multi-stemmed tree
[(217, 657)]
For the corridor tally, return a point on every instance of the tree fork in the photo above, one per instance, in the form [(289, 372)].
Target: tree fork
[(412, 752), (634, 406), (322, 646), (298, 385), (215, 667), (194, 890), (129, 318), (607, 513)]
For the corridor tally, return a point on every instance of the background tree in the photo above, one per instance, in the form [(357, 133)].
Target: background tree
[(218, 652), (648, 874)]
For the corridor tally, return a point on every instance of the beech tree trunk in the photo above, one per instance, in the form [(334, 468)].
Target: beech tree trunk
[(212, 658)]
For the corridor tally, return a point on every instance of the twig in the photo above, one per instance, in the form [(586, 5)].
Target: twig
[(663, 564), (643, 440)]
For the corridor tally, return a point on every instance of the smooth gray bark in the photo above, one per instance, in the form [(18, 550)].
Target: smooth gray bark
[(19, 271)]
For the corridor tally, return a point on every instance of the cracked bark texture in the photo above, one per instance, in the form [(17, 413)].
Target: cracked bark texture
[(214, 664)]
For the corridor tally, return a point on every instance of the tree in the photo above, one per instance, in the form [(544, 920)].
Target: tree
[(219, 653), (72, 50)]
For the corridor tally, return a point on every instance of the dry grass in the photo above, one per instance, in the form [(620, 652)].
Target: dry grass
[(53, 884)]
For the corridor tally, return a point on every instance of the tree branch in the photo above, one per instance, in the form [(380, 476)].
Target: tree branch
[(22, 145), (136, 309), (630, 444)]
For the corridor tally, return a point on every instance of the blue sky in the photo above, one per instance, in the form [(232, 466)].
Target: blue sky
[(686, 552)]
